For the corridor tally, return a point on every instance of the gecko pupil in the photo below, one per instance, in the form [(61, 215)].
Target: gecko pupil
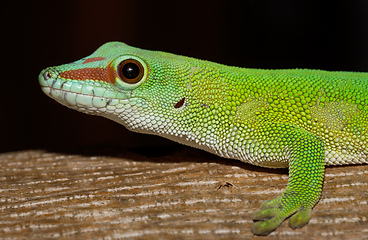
[(131, 71)]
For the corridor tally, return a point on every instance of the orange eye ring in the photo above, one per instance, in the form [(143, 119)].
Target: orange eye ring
[(130, 71)]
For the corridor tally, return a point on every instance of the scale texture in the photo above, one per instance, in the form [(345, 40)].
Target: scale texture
[(296, 118)]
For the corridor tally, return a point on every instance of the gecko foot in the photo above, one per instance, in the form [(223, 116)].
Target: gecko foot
[(273, 212)]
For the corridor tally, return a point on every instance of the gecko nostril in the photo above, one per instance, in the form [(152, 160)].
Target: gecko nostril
[(48, 74)]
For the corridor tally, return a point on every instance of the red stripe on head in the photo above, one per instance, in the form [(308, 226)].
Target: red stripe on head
[(97, 74), (95, 59)]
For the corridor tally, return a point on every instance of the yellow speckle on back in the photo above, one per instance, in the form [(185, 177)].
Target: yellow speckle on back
[(248, 111), (335, 115)]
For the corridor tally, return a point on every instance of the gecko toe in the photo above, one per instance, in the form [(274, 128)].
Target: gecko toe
[(300, 218), (263, 228)]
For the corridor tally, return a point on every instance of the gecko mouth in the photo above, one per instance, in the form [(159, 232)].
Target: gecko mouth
[(76, 100)]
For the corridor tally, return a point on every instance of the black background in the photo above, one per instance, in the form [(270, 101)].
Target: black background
[(330, 35)]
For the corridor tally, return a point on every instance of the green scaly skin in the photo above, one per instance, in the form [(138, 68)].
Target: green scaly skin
[(301, 119)]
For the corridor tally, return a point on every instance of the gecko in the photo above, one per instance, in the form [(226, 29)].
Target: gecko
[(299, 119)]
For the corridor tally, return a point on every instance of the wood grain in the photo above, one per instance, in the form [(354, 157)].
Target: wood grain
[(162, 193)]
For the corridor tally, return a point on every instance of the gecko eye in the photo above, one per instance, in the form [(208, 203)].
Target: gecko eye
[(127, 72), (130, 71)]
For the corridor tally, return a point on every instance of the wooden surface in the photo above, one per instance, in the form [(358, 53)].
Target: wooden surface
[(162, 193)]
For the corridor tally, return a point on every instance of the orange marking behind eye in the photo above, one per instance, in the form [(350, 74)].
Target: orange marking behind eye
[(111, 73), (99, 74), (95, 59)]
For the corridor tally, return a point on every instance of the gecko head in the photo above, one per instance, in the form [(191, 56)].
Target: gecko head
[(137, 88)]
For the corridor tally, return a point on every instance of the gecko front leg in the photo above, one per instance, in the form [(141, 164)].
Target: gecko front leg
[(306, 173)]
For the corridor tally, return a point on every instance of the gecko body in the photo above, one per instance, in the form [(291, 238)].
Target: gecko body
[(296, 118)]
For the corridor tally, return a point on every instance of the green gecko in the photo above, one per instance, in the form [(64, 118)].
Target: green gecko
[(296, 118)]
